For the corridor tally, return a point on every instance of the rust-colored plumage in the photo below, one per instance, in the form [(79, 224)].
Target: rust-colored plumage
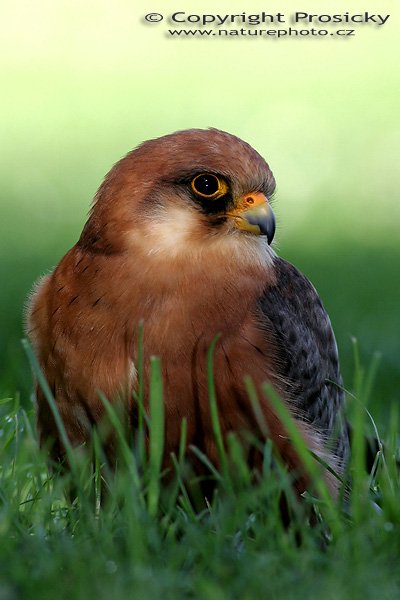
[(179, 238)]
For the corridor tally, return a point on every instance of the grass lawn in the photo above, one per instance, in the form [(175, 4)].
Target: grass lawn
[(149, 539)]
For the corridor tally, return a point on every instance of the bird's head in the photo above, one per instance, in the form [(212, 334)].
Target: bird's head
[(184, 192)]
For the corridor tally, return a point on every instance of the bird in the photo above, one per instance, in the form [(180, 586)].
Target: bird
[(179, 241)]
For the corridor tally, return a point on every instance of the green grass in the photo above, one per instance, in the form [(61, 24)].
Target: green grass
[(150, 537)]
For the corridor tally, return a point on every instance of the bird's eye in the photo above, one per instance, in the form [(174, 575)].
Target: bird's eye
[(207, 185)]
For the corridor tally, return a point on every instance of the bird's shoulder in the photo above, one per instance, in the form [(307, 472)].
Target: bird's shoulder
[(307, 359), (292, 298)]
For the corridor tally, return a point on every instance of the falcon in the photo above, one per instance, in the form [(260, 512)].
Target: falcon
[(179, 239)]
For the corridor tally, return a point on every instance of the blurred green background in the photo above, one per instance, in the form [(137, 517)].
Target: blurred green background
[(84, 82)]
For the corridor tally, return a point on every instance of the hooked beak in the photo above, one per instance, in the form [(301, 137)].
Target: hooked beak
[(254, 215)]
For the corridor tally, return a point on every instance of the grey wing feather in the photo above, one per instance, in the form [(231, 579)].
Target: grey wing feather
[(308, 362)]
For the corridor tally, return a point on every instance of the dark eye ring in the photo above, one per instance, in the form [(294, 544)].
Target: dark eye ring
[(207, 185)]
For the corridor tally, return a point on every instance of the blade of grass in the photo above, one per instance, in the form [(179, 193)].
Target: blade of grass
[(97, 473), (212, 397), (255, 404), (311, 466), (123, 446), (156, 443), (140, 397), (359, 480), (207, 463), (53, 407), (179, 465), (240, 467), (184, 499)]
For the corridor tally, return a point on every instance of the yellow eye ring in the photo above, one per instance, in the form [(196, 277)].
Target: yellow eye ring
[(208, 185)]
